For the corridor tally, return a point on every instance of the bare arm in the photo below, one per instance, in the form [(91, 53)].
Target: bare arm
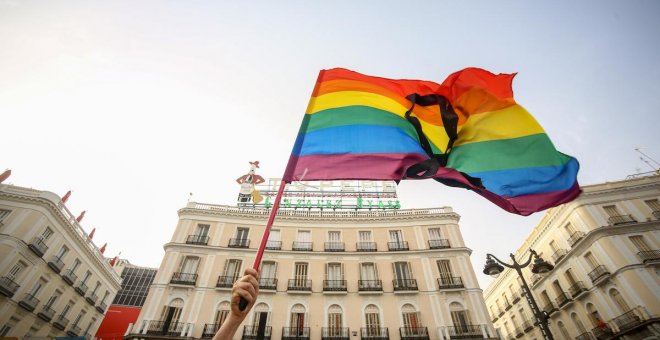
[(246, 287)]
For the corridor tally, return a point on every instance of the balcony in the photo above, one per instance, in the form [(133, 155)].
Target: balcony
[(8, 287), (401, 285), (577, 289), (335, 333), (558, 255), (535, 278), (184, 279), (300, 285), (29, 302), (268, 283), (155, 327), (226, 281), (295, 333), (549, 308), (527, 326), (585, 336), (465, 332), (398, 246), (38, 246), (101, 307), (450, 282), (334, 246), (91, 298), (620, 219), (209, 330), (507, 306), (239, 243), (73, 331), (649, 256), (629, 320), (374, 333), (81, 288), (656, 214), (370, 286), (274, 245), (302, 246), (562, 299), (60, 322), (518, 331), (602, 333), (366, 246), (515, 297), (414, 333), (46, 313), (69, 277), (56, 264), (599, 274), (577, 236), (334, 286), (494, 319), (501, 311), (439, 244), (250, 333), (197, 239)]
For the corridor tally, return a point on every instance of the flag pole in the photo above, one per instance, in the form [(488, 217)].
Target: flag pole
[(264, 239)]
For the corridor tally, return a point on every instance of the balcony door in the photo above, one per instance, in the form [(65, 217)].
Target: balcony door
[(334, 274), (232, 270), (297, 321), (365, 236), (396, 237), (189, 265), (410, 320), (300, 275), (242, 236), (444, 267), (260, 311), (368, 275), (171, 315), (402, 273), (335, 322), (372, 320), (268, 270), (460, 318)]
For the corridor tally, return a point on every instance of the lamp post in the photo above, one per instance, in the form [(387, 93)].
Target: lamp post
[(540, 266)]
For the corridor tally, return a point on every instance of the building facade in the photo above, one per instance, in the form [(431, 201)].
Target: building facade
[(605, 283), (128, 302), (326, 274), (53, 280)]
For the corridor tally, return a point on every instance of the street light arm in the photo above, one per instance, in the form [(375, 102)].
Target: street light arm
[(491, 256)]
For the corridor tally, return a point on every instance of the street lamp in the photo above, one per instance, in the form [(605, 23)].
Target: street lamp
[(495, 266)]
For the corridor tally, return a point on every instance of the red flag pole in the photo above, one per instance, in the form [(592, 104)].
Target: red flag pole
[(264, 239)]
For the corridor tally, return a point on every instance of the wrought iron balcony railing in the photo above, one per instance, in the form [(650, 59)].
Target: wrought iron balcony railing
[(334, 246), (81, 288), (46, 313), (251, 332), (558, 255), (29, 302), (465, 332), (38, 246), (602, 332), (157, 327), (60, 322), (598, 273), (576, 289), (239, 243), (374, 333), (184, 279), (649, 255), (562, 299), (404, 284), (438, 244), (56, 264), (7, 286), (209, 330), (295, 333), (91, 298), (577, 236), (268, 283), (621, 219), (656, 214), (398, 246), (549, 308), (101, 307), (370, 285), (366, 246), (73, 331), (226, 281), (414, 333), (585, 336), (69, 277), (450, 282), (334, 285), (197, 239), (302, 246), (527, 325), (507, 305), (335, 333), (629, 319), (300, 285), (274, 245), (519, 332), (515, 297)]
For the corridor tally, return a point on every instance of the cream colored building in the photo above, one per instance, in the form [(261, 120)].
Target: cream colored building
[(326, 274), (605, 249), (53, 280)]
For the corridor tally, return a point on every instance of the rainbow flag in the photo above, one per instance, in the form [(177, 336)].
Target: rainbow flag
[(467, 132)]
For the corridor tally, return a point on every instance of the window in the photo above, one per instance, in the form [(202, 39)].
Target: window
[(89, 326), (335, 322), (611, 210), (410, 319), (232, 270), (569, 229), (619, 301), (570, 278), (591, 260), (334, 273), (368, 271), (445, 270), (86, 277), (135, 285), (396, 236), (75, 266), (372, 320), (545, 298), (62, 252), (202, 230), (274, 235), (459, 317), (51, 301), (300, 275), (242, 233), (364, 236), (15, 271), (297, 321), (78, 318), (260, 310), (304, 236), (66, 309), (653, 204), (98, 285), (578, 324), (189, 265), (553, 246), (46, 234), (403, 276), (268, 270), (37, 287), (171, 313), (222, 313), (640, 243), (434, 234), (3, 214)]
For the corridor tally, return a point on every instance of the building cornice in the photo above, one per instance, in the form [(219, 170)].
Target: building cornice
[(66, 219)]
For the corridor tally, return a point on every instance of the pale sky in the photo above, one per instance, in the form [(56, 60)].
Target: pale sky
[(135, 104)]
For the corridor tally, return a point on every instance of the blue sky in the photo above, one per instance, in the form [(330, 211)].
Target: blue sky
[(135, 104)]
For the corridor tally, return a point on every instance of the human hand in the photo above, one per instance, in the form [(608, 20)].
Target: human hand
[(247, 287)]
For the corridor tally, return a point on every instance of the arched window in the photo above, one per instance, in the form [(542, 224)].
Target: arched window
[(221, 313), (372, 320), (619, 301), (594, 316), (260, 311), (411, 322), (459, 317), (578, 324), (335, 321), (297, 322), (563, 331), (171, 314)]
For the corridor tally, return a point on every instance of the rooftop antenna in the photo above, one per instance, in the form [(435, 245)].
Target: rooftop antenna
[(647, 162), (647, 157)]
